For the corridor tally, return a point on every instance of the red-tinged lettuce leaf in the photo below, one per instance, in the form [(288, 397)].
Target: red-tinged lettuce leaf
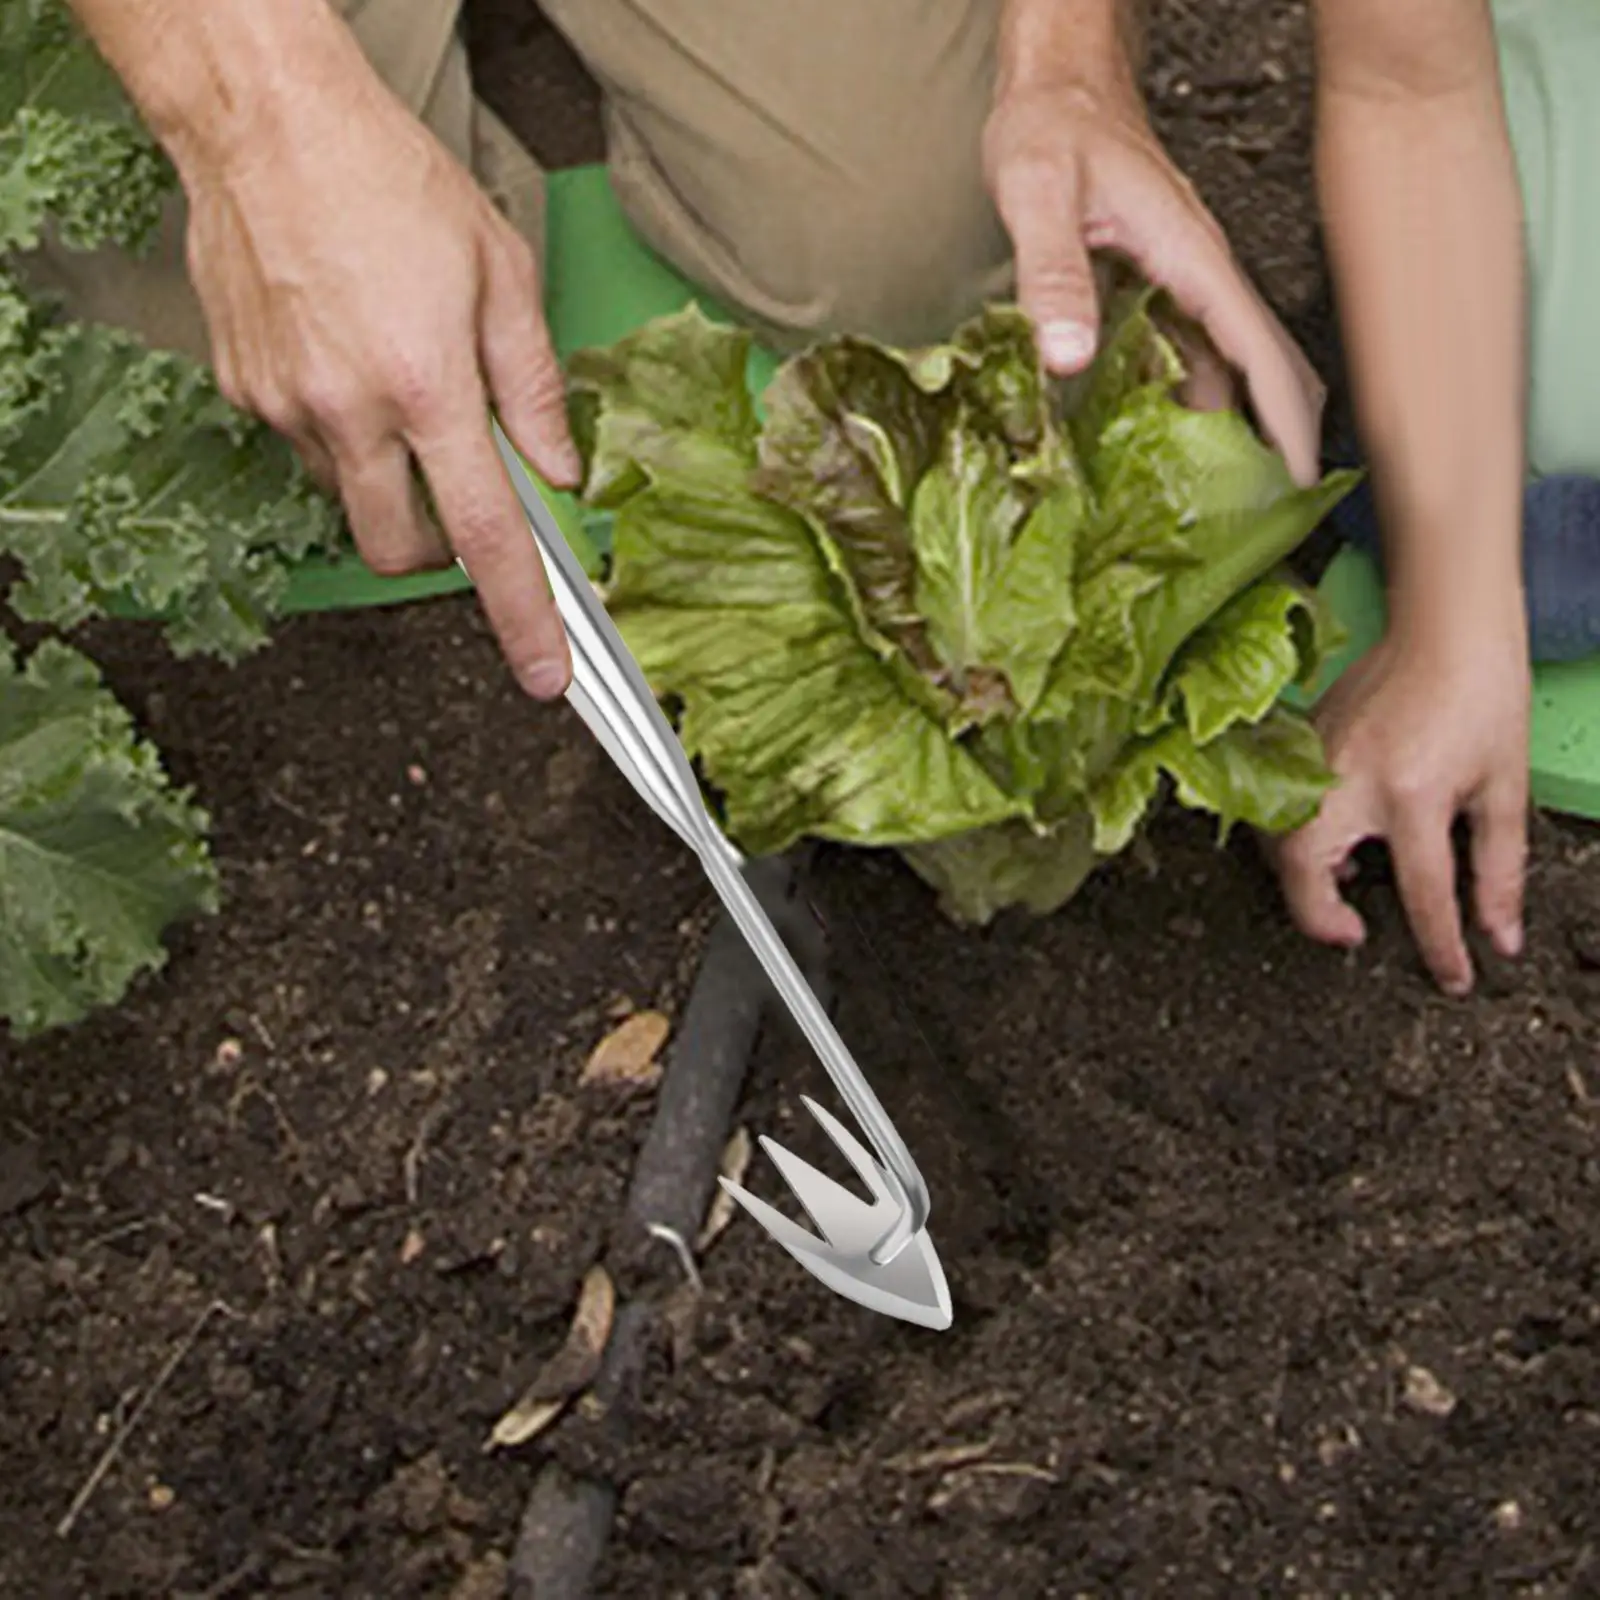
[(848, 435), (992, 370), (99, 854), (672, 397), (732, 611)]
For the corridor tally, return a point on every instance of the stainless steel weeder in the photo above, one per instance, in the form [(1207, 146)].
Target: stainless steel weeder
[(877, 1254)]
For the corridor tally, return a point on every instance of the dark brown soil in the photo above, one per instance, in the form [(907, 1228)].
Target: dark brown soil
[(1275, 1273)]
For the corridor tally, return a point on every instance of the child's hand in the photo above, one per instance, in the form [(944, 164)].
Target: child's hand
[(1419, 735)]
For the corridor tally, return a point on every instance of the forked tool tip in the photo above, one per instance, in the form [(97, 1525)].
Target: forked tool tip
[(912, 1287)]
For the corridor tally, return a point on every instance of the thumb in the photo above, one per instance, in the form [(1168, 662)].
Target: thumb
[(524, 376), (1041, 204), (1312, 867)]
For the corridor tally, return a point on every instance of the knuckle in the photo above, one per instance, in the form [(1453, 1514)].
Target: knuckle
[(1410, 789), (1024, 177), (520, 267), (228, 386), (330, 394), (273, 405), (414, 384)]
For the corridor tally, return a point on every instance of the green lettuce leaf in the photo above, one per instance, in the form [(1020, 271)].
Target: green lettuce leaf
[(1270, 774), (801, 727), (99, 854), (1239, 664), (1012, 866), (994, 566), (672, 397)]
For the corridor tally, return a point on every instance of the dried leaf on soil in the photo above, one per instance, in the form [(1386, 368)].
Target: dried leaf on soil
[(627, 1055), (569, 1371), (735, 1164)]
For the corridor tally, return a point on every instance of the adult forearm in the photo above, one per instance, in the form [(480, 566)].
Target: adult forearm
[(1423, 221), (1094, 42), (210, 77)]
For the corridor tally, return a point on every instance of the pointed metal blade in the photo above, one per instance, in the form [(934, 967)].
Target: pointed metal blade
[(911, 1288)]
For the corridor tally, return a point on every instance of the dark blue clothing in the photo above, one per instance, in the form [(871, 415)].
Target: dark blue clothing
[(1560, 560)]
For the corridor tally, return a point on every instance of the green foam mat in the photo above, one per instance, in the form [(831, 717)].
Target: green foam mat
[(601, 282), (1565, 745)]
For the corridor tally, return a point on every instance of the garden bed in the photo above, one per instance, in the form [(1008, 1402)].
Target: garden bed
[(1274, 1272)]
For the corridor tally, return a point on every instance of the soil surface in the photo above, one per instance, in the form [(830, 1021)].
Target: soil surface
[(1275, 1273)]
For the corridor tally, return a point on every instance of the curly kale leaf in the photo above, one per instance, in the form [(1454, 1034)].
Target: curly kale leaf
[(99, 853), (127, 483), (73, 152)]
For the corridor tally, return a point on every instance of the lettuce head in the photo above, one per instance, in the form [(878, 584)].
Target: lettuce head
[(935, 601)]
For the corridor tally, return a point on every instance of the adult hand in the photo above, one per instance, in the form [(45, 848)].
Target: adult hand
[(366, 299), (1074, 169), (1418, 736)]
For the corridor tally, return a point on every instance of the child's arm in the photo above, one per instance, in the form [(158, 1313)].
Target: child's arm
[(1423, 220)]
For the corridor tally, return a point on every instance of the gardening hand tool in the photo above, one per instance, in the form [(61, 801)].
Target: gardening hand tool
[(878, 1255)]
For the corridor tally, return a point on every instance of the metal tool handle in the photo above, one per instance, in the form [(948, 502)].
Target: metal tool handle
[(612, 696), (835, 1055)]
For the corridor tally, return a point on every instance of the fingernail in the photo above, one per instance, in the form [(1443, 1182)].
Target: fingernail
[(544, 679), (1511, 941), (1458, 988), (1066, 346)]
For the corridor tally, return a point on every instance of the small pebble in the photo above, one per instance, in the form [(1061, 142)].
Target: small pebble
[(1425, 1393)]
